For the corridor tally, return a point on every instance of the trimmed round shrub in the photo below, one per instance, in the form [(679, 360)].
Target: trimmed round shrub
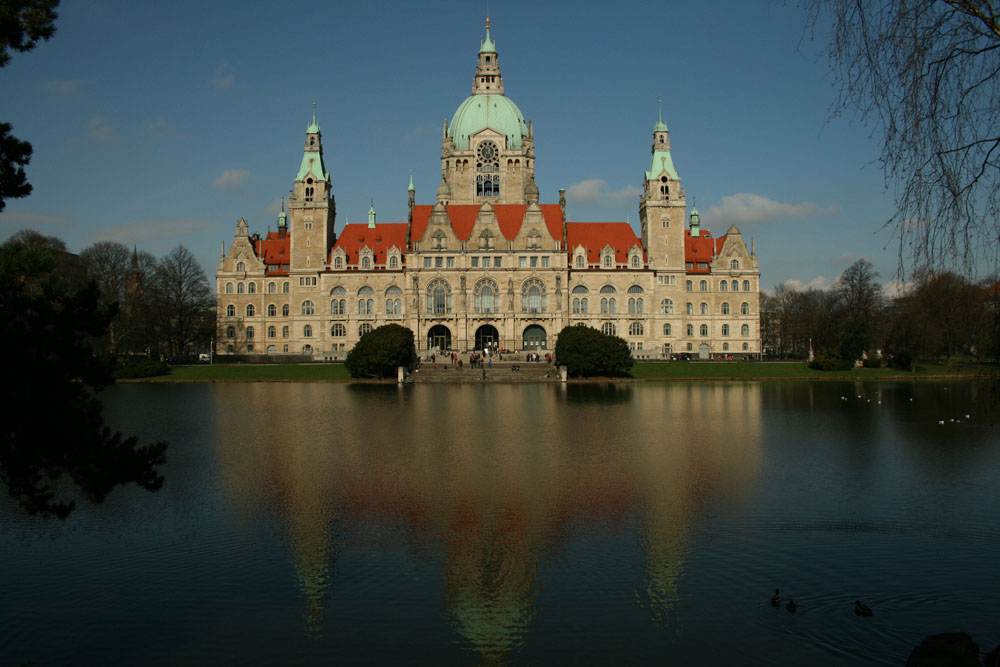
[(587, 352), (140, 367), (380, 352)]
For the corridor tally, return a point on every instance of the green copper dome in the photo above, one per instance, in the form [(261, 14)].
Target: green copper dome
[(496, 112)]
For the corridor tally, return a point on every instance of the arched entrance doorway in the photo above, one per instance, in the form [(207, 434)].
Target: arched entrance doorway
[(703, 351), (487, 336), (534, 338), (439, 337)]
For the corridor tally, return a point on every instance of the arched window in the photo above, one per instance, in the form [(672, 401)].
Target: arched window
[(366, 262), (364, 329), (746, 285), (608, 289), (338, 330), (438, 297), (240, 288), (745, 330), (393, 304), (704, 329), (272, 288), (687, 286), (744, 308), (725, 307), (229, 288), (735, 264), (667, 306), (581, 289), (308, 308), (635, 329), (666, 330), (486, 297), (230, 332), (230, 310), (284, 332), (724, 286), (736, 285), (703, 308), (249, 333), (635, 305), (690, 330), (284, 310), (746, 346), (393, 262), (251, 311), (576, 305), (272, 310), (251, 288), (607, 261), (689, 308), (240, 266), (636, 289), (271, 332), (725, 347), (365, 291), (338, 291), (580, 261), (608, 329), (725, 329), (635, 261), (533, 296), (338, 262), (307, 331), (703, 285)]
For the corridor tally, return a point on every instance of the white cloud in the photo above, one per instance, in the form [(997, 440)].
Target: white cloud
[(819, 282), (896, 288), (99, 128), (148, 230), (745, 207), (32, 220), (64, 87), (592, 191), (223, 77), (233, 178)]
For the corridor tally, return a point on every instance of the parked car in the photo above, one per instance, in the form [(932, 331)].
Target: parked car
[(680, 356)]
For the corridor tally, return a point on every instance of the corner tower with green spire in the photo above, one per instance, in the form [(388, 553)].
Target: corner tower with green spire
[(311, 207), (662, 206), (487, 152)]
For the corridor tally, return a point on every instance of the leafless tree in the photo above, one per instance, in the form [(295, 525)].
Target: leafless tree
[(182, 301), (924, 75), (107, 263)]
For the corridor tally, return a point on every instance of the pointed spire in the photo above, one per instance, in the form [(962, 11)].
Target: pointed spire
[(487, 45), (371, 216), (282, 216), (660, 125), (411, 188), (314, 126)]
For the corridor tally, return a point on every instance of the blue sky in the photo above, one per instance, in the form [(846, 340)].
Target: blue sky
[(156, 124)]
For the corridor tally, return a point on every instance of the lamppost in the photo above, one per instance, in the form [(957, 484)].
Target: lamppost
[(211, 352)]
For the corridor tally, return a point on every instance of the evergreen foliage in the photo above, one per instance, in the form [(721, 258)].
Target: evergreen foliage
[(381, 351), (587, 352), (52, 318)]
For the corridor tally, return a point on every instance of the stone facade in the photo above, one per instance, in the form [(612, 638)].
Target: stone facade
[(487, 265)]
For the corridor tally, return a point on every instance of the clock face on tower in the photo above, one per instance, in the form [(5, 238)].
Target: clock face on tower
[(487, 151)]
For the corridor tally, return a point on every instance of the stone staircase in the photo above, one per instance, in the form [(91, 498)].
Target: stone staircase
[(502, 371)]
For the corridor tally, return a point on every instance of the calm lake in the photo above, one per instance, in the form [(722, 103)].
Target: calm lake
[(643, 523)]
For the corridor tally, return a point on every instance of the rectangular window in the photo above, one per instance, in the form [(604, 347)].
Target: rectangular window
[(522, 262), (427, 262), (545, 262), (475, 263), (486, 262), (438, 262), (451, 262), (497, 263), (534, 262), (702, 265), (688, 265)]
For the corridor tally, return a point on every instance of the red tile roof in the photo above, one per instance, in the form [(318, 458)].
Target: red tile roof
[(699, 249), (380, 240), (595, 235), (275, 250), (510, 217)]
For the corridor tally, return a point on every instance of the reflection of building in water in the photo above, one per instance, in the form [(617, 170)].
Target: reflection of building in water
[(485, 264), (492, 480)]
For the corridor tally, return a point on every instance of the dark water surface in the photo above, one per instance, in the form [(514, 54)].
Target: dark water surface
[(603, 524)]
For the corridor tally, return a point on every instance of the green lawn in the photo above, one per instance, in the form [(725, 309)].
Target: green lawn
[(255, 373), (777, 370)]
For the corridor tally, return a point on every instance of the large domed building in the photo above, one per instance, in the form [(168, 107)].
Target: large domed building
[(487, 265)]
